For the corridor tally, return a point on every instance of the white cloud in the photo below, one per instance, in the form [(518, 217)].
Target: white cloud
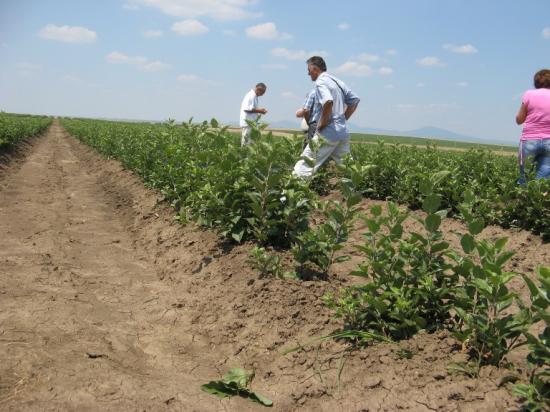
[(343, 26), (70, 78), (385, 71), (389, 86), (296, 54), (192, 9), (190, 28), (27, 69), (430, 61), (27, 66), (274, 66), (427, 108), (546, 33), (442, 106), (131, 6), (193, 79), (139, 61), (366, 57), (152, 34), (405, 106), (68, 34), (463, 49), (289, 95), (188, 78), (462, 84), (352, 68), (391, 52), (155, 66), (266, 31)]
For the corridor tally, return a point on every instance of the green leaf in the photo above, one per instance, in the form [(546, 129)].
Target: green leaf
[(238, 375), (438, 247), (438, 177), (476, 226), (504, 257), (500, 243), (468, 243), (220, 389), (256, 397), (238, 236), (425, 187), (376, 210), (433, 222), (235, 383), (431, 203), (469, 196)]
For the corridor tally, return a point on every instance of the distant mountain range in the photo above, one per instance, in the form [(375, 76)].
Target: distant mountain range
[(429, 132)]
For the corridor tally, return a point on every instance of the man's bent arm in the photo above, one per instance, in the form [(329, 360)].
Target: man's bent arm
[(349, 110), (325, 115)]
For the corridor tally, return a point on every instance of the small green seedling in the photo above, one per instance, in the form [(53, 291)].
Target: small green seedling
[(236, 382)]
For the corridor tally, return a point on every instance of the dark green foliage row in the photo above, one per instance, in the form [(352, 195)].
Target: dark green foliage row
[(395, 172), (426, 141), (246, 193), (14, 127)]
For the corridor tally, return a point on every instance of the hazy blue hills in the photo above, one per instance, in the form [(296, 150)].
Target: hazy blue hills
[(430, 132)]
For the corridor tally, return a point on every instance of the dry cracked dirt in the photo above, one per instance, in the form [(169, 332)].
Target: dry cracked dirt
[(107, 303)]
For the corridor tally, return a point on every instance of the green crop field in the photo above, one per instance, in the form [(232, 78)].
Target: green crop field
[(421, 141), (15, 127)]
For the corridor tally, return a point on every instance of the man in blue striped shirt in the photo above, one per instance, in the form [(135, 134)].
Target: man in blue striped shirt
[(337, 103), (310, 111)]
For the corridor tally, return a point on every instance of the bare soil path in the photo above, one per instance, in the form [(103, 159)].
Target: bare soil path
[(83, 322), (108, 304)]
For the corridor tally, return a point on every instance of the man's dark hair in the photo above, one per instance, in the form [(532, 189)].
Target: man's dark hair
[(317, 61), (261, 86), (542, 79)]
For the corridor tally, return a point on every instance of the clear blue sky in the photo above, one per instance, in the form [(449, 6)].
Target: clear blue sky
[(456, 64)]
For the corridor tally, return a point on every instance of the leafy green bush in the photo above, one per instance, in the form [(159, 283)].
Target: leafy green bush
[(409, 286), (537, 391), (246, 193), (318, 245), (15, 127), (486, 325), (394, 173)]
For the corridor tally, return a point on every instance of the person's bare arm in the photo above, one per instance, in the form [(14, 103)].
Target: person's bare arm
[(522, 114), (260, 110), (349, 110), (325, 115)]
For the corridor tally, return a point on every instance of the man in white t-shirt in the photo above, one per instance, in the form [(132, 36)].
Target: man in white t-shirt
[(250, 110)]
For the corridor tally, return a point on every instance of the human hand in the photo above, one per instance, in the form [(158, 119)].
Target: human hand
[(262, 111), (300, 112)]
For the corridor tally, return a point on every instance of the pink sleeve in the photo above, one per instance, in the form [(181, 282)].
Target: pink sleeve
[(525, 98)]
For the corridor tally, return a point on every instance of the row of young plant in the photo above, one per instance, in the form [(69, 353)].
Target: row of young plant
[(415, 280), (245, 193), (395, 172), (15, 127)]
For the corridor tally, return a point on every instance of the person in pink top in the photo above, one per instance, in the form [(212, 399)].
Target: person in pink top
[(534, 115)]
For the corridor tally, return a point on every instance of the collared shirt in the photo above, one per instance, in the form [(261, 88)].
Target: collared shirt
[(250, 102), (328, 87), (312, 106)]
